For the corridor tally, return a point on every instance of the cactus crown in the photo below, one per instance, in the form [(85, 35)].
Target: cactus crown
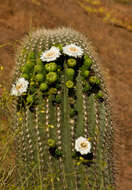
[(62, 113)]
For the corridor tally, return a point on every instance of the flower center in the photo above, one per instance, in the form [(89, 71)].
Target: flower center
[(18, 86), (73, 49), (50, 54), (83, 145)]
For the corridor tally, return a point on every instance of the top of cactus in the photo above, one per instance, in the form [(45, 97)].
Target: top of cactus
[(44, 46)]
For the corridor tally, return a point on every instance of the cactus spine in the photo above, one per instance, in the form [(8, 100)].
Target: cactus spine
[(65, 100)]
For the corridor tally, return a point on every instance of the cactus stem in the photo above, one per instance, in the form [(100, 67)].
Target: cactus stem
[(39, 144), (85, 116), (53, 122), (29, 140), (67, 145)]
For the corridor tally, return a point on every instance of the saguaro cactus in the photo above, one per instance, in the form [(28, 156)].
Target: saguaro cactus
[(62, 114)]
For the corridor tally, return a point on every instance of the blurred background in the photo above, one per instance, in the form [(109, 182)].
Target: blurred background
[(108, 24)]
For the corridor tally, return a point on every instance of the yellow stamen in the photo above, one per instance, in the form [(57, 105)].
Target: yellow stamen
[(83, 145), (50, 54), (73, 49), (18, 86)]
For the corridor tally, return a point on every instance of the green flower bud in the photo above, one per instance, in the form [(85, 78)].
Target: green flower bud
[(32, 83), (38, 68), (51, 142), (51, 77), (69, 84), (39, 62), (73, 112), (53, 91), (94, 80), (71, 62), (39, 77), (51, 67), (31, 55), (87, 62), (86, 57), (99, 94), (32, 86), (32, 89), (70, 73), (26, 76), (43, 86), (58, 46), (58, 152), (87, 87), (27, 68), (85, 73), (30, 63), (58, 99), (29, 99)]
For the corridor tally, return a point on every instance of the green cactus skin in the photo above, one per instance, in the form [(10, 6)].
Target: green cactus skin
[(44, 167)]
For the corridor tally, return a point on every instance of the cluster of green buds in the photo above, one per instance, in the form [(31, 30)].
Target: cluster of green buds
[(53, 149), (42, 71), (27, 69), (91, 83), (41, 77)]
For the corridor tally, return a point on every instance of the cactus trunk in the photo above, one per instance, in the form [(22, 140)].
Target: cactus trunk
[(64, 101)]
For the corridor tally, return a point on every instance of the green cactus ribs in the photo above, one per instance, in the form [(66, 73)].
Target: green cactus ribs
[(62, 113)]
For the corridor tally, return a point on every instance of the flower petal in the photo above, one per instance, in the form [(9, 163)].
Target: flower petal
[(82, 145), (73, 50), (50, 55), (20, 87)]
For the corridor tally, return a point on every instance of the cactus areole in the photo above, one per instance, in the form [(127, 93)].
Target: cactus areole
[(62, 114)]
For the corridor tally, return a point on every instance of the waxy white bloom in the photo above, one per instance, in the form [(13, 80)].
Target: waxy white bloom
[(82, 145), (73, 50), (20, 87), (50, 55)]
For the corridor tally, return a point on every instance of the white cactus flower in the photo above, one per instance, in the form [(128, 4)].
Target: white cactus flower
[(50, 55), (20, 87), (73, 50), (82, 145)]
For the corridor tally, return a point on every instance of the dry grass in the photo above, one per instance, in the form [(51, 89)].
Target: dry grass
[(109, 16)]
